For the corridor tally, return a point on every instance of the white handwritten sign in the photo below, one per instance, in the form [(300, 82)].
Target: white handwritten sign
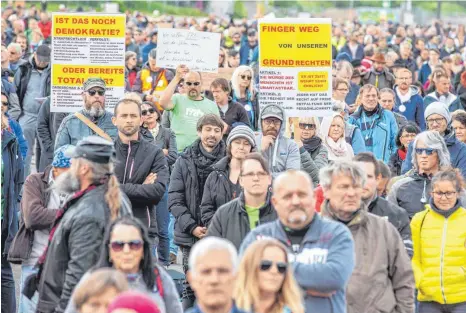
[(197, 50)]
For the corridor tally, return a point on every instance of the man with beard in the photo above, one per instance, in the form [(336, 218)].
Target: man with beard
[(187, 186), (27, 83), (408, 101), (379, 75), (236, 38), (320, 250), (383, 277), (78, 230), (92, 120), (379, 206), (141, 168), (187, 108), (280, 152)]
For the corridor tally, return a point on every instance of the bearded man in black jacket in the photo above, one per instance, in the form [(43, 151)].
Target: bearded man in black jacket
[(187, 186)]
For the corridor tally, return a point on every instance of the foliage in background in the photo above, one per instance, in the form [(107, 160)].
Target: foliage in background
[(239, 9)]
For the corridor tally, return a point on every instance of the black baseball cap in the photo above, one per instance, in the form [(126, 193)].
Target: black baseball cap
[(43, 53), (93, 148)]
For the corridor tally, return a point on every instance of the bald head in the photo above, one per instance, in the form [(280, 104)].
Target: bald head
[(193, 84), (284, 177)]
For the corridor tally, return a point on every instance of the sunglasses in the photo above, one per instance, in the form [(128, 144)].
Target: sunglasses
[(307, 126), (267, 265), (428, 151), (145, 112), (119, 245), (190, 83), (93, 92), (246, 77)]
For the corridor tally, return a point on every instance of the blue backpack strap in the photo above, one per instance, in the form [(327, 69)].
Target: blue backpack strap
[(158, 280)]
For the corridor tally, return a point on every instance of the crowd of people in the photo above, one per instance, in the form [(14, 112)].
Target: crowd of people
[(359, 211)]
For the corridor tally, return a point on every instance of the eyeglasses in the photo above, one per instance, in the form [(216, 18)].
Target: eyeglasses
[(343, 89), (307, 126), (427, 151), (433, 121), (190, 83), (266, 265), (448, 194), (119, 245), (93, 92), (246, 77), (409, 135), (270, 121), (150, 111), (259, 175)]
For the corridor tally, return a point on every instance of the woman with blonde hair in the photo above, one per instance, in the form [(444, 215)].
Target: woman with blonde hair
[(265, 282), (243, 92), (332, 133)]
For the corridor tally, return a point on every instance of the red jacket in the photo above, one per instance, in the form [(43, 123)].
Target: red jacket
[(46, 28)]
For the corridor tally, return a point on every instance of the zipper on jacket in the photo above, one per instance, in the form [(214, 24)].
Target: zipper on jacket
[(442, 259), (127, 159)]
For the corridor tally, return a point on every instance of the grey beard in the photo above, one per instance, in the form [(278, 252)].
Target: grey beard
[(95, 112), (67, 184)]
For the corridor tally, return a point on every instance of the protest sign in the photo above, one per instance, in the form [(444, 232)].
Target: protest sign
[(197, 50), (86, 45), (296, 65), (208, 78)]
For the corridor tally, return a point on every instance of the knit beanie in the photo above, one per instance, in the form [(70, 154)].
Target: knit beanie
[(438, 108), (241, 131), (136, 301)]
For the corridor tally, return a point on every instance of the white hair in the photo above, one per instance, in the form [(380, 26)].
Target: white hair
[(434, 140), (16, 46), (208, 244), (348, 168), (235, 79)]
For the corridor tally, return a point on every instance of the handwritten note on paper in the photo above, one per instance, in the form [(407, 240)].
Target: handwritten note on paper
[(197, 50)]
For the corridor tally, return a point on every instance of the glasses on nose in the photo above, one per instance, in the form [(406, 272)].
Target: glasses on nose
[(246, 77), (427, 151), (192, 83), (440, 195), (274, 122), (93, 92), (409, 136), (148, 111), (433, 121), (120, 245), (259, 175), (307, 126), (266, 265)]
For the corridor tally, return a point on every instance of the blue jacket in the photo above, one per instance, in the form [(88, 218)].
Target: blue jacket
[(452, 102), (424, 73), (145, 51), (72, 129), (324, 261), (456, 148), (359, 52), (353, 136), (244, 54), (18, 132), (352, 94), (382, 135), (413, 108)]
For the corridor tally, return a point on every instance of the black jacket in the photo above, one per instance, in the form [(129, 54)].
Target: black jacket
[(231, 220), (236, 114), (185, 194), (47, 127), (74, 249), (135, 162), (218, 190), (395, 163), (395, 215)]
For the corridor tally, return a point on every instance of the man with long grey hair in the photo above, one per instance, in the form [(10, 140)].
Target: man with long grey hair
[(430, 155), (382, 276)]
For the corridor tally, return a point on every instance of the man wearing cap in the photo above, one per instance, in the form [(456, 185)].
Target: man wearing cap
[(93, 119), (426, 68), (27, 82), (379, 75), (39, 206), (439, 118), (281, 153), (248, 49), (152, 44), (78, 230)]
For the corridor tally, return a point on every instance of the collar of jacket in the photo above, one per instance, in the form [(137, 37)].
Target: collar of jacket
[(312, 235), (7, 138), (222, 165), (46, 174), (358, 219), (265, 208), (358, 113), (445, 214)]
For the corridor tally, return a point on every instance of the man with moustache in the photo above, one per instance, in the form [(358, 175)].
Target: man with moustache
[(281, 153), (321, 251), (187, 186), (141, 168), (383, 278), (187, 108), (93, 119)]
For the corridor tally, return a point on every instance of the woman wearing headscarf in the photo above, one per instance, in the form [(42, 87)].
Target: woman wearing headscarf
[(333, 137)]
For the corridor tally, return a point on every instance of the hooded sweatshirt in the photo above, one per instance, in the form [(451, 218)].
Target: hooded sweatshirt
[(450, 100), (410, 105), (283, 154)]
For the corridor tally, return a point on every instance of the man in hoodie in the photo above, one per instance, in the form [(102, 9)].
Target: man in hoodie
[(27, 83), (379, 75), (141, 167), (442, 94), (187, 186), (426, 68), (321, 251), (383, 277), (408, 101), (281, 153), (439, 118), (152, 80)]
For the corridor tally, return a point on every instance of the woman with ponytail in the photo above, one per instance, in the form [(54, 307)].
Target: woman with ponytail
[(77, 233)]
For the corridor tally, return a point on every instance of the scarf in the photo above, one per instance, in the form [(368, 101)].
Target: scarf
[(203, 160), (339, 148), (402, 154), (155, 131), (312, 144), (369, 113)]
